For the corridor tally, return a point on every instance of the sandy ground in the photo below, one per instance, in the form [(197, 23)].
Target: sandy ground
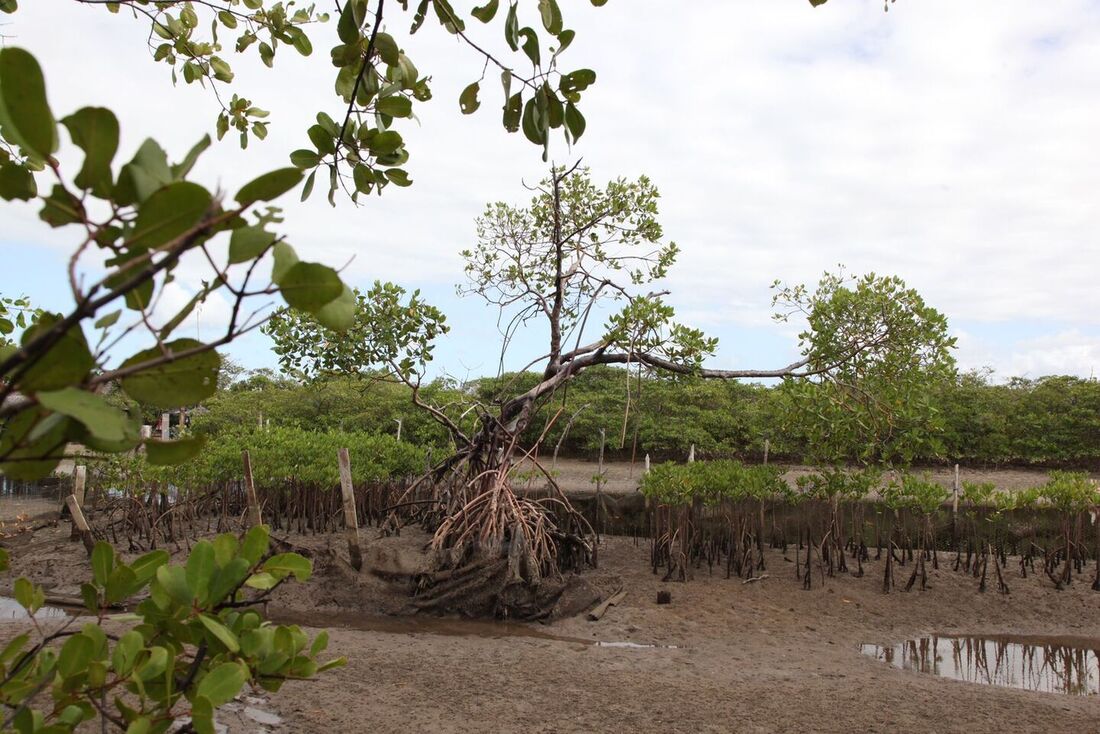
[(763, 657), (574, 476)]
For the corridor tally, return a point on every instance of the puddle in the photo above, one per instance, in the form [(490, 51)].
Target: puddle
[(637, 646), (1069, 666), (10, 609)]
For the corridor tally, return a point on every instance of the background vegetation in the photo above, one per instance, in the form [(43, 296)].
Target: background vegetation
[(1047, 421)]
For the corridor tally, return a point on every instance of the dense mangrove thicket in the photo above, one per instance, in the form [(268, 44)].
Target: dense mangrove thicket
[(724, 513), (295, 474), (1052, 421)]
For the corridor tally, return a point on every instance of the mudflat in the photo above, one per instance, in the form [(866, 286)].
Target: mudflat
[(724, 655)]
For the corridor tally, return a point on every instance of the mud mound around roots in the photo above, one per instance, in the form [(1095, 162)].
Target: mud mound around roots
[(398, 579)]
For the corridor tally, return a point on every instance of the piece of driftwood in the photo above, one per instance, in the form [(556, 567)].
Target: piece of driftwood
[(596, 614)]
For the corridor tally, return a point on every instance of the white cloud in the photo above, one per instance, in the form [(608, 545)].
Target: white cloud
[(949, 143), (1065, 353)]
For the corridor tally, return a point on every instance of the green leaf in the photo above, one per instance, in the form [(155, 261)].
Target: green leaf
[(247, 243), (202, 711), (102, 420), (322, 139), (395, 106), (269, 186), (387, 48), (551, 16), (385, 142), (169, 213), (171, 453), (181, 169), (95, 131), (14, 648), (103, 562), (486, 12), (121, 585), (511, 28), (173, 579), (513, 109), (283, 258), (320, 644), (200, 568), (126, 651), (181, 381), (154, 665), (255, 544), (140, 725), (221, 632), (309, 286), (24, 112), (467, 101), (346, 28), (398, 177), (17, 182), (108, 320), (531, 45), (338, 314), (303, 158), (222, 684), (574, 121), (147, 172), (225, 548), (228, 578), (66, 363), (262, 581), (23, 590), (60, 208), (145, 566), (75, 655), (289, 564), (577, 81)]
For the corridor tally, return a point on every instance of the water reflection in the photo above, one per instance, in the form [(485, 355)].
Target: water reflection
[(1047, 665), (11, 609)]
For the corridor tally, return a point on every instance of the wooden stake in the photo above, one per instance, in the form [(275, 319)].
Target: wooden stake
[(254, 517), (599, 485), (80, 523), (398, 422), (957, 487), (80, 477), (165, 425), (767, 445), (691, 455), (351, 522), (647, 463), (80, 474)]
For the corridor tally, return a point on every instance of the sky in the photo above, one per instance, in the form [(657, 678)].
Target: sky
[(952, 144)]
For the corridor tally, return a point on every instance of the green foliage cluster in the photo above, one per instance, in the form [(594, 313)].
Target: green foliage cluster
[(142, 218), (915, 493), (279, 455), (713, 482), (16, 314), (194, 643), (1053, 420), (1070, 492), (839, 484)]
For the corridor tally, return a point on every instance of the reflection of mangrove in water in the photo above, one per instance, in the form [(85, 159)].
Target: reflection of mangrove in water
[(1045, 665)]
